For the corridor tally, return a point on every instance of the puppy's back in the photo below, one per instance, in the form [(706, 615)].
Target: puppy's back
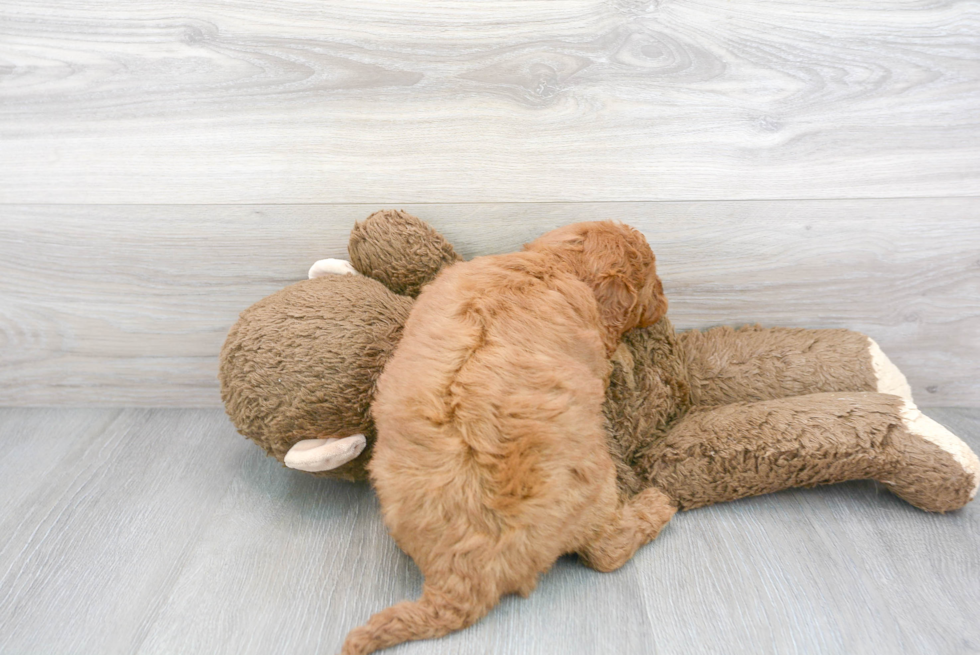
[(482, 327), (500, 370)]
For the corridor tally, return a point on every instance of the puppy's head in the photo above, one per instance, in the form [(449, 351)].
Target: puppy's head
[(616, 261)]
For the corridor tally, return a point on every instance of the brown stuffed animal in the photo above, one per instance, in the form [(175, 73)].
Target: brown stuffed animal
[(704, 416)]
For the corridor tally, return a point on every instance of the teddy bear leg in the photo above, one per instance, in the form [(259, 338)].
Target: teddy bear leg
[(744, 449), (752, 363), (953, 477)]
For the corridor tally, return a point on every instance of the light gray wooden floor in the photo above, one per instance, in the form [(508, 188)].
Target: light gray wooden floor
[(163, 531)]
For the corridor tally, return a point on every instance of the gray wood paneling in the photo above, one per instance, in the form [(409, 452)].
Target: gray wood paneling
[(194, 101), (111, 305), (162, 531)]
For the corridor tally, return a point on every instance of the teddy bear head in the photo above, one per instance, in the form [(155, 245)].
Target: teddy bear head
[(300, 366)]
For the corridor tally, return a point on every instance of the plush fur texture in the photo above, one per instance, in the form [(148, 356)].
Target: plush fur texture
[(814, 439), (703, 416), (399, 250), (699, 370), (303, 363), (277, 397), (726, 365), (491, 459)]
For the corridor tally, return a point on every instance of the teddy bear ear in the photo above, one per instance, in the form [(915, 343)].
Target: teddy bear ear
[(315, 455), (399, 250)]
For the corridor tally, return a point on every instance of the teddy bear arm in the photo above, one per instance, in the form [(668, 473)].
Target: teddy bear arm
[(399, 250), (733, 451), (753, 363)]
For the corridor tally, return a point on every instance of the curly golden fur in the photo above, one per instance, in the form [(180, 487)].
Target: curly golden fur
[(491, 459)]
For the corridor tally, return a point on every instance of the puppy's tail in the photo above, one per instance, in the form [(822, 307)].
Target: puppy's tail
[(435, 614)]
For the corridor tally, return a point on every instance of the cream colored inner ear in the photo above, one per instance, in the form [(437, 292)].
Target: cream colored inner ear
[(315, 455)]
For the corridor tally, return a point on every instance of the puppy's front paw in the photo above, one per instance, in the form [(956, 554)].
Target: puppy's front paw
[(332, 267), (655, 508)]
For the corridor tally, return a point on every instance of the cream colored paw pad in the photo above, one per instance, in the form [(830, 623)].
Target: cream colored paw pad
[(890, 379), (315, 455), (921, 425), (326, 267)]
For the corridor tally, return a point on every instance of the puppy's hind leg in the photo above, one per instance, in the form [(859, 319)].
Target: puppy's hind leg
[(631, 525), (444, 607)]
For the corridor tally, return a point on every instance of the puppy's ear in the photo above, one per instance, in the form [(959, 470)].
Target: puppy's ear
[(618, 264), (624, 276), (656, 304), (613, 257), (616, 298)]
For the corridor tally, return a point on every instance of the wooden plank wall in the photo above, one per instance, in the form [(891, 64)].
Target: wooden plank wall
[(381, 101), (165, 164), (130, 304)]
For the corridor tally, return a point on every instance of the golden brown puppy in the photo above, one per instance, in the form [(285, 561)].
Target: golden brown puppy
[(491, 459)]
